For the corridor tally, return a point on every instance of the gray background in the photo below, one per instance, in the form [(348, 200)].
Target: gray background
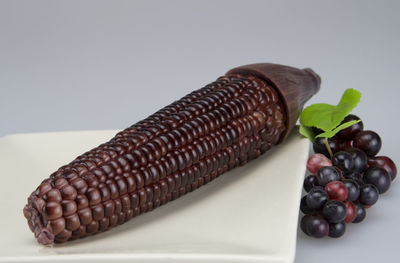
[(79, 65)]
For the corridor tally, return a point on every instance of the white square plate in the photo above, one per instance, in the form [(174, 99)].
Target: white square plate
[(246, 215)]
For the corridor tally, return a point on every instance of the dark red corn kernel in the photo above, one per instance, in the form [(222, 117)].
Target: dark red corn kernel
[(81, 201), (97, 211), (134, 200), (69, 207), (126, 203), (85, 216), (109, 208), (57, 225), (72, 222), (112, 186), (118, 206), (53, 195), (94, 196)]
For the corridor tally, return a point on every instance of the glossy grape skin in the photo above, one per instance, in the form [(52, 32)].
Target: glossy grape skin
[(336, 190), (304, 223), (378, 177), (385, 163), (314, 225), (327, 174), (360, 159), (316, 198), (355, 176), (353, 189), (350, 132), (351, 211), (320, 147), (309, 182), (343, 160), (316, 161), (343, 145), (360, 213), (334, 211), (368, 141), (368, 195), (337, 229), (304, 207)]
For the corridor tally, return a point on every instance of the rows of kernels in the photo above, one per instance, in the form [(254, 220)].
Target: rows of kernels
[(172, 152)]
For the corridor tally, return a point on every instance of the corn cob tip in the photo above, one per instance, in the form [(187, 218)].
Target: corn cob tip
[(295, 86), (34, 212), (315, 77)]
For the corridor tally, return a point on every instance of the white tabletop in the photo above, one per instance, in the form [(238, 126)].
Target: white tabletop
[(86, 65)]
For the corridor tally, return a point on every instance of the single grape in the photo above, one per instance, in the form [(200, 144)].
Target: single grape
[(337, 229), (360, 159), (353, 189), (368, 195), (351, 211), (368, 141), (309, 182), (314, 225), (327, 174), (316, 161), (378, 177), (385, 163), (304, 223), (320, 147), (360, 213), (350, 132), (316, 198), (336, 190), (304, 207), (343, 160), (334, 211)]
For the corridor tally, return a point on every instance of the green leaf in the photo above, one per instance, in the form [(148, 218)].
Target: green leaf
[(327, 117), (307, 132), (331, 133)]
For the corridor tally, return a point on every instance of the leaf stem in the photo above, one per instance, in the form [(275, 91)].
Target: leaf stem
[(328, 147)]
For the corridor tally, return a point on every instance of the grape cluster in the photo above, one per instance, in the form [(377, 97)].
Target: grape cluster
[(341, 187)]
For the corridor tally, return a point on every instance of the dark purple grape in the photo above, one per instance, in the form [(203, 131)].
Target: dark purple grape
[(320, 147), (337, 229), (368, 141), (350, 132), (334, 211), (353, 189), (316, 198), (360, 159), (309, 182), (304, 222), (378, 177), (368, 195), (360, 213), (344, 161), (304, 207), (385, 163), (327, 174), (314, 225)]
